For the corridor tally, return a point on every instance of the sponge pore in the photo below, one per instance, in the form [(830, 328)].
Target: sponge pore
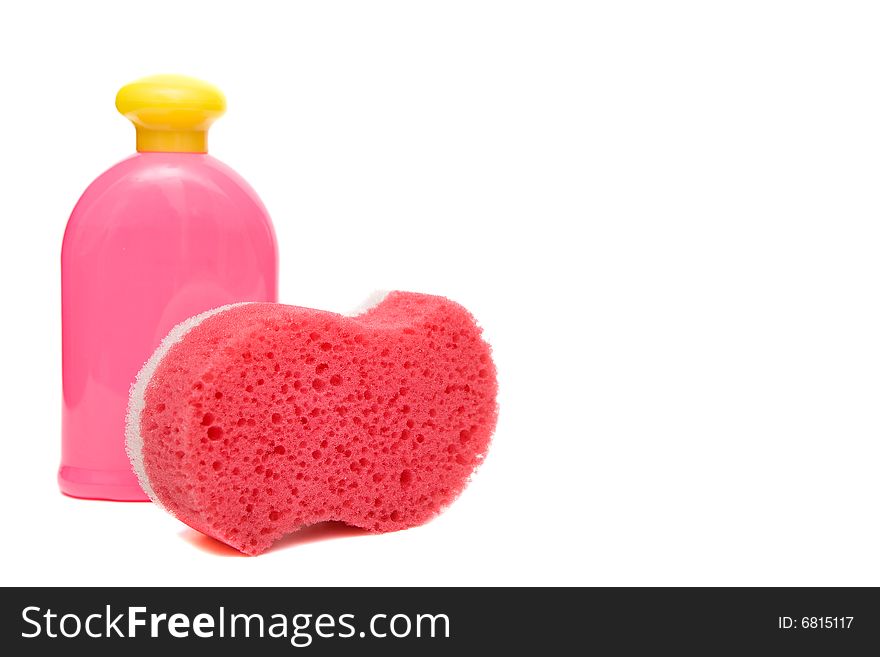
[(254, 420)]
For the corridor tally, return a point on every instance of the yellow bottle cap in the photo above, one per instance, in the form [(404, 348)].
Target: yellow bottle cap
[(171, 113)]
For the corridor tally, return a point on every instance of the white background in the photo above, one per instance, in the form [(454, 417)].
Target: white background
[(665, 215)]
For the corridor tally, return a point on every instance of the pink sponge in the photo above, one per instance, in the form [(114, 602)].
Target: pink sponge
[(255, 419)]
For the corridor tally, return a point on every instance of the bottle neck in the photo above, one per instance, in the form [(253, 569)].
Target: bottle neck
[(170, 141)]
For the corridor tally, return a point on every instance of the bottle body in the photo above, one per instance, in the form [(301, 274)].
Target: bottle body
[(156, 239)]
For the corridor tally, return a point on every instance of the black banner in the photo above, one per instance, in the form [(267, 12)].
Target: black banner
[(442, 621)]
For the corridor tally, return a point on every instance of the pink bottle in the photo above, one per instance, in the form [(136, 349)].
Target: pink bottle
[(164, 235)]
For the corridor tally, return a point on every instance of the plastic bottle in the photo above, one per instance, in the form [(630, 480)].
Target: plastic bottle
[(161, 236)]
